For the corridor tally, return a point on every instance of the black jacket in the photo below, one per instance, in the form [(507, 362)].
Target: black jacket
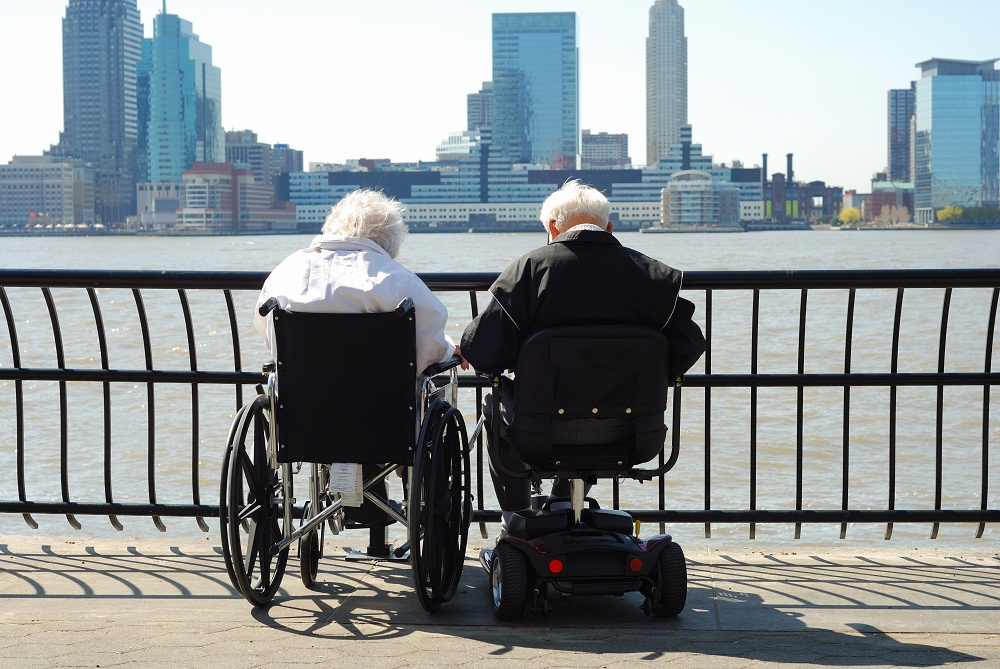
[(584, 277)]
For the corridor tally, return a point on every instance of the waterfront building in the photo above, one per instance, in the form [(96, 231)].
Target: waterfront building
[(604, 151), (456, 146), (693, 199), (46, 191), (901, 111), (484, 189), (101, 46), (222, 198), (666, 79), (479, 108), (179, 102), (243, 150), (957, 136), (891, 202), (284, 160), (536, 90), (157, 204)]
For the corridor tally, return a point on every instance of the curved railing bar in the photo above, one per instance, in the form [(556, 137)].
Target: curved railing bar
[(102, 342), (195, 421), (63, 404), (846, 478), (15, 351), (984, 495), (939, 420), (754, 351), (800, 409), (235, 332), (709, 312), (893, 369), (147, 349)]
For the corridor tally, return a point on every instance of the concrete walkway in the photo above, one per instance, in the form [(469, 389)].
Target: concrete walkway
[(78, 602)]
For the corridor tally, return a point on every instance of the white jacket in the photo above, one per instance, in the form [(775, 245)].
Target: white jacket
[(347, 275)]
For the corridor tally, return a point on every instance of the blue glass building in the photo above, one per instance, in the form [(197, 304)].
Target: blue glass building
[(957, 139), (536, 91), (179, 102)]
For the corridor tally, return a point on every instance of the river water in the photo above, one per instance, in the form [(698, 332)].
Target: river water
[(729, 454)]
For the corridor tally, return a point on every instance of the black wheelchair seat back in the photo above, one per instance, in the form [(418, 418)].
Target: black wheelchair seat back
[(346, 387), (590, 397)]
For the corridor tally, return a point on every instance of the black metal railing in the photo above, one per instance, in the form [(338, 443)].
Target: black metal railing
[(138, 337)]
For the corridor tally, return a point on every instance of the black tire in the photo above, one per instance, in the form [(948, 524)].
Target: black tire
[(310, 548), (671, 586), (439, 505), (253, 519), (508, 582), (224, 512)]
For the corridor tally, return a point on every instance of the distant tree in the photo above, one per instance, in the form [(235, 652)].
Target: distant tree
[(901, 214), (949, 214), (849, 215)]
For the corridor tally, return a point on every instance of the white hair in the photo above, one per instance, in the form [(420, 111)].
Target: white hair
[(369, 214), (574, 198)]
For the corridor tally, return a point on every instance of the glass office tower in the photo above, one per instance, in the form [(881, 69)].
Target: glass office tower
[(101, 46), (901, 108), (536, 90), (180, 102), (666, 79), (957, 142)]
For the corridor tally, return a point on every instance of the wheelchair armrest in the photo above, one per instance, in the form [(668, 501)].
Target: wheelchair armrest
[(439, 367), (270, 304)]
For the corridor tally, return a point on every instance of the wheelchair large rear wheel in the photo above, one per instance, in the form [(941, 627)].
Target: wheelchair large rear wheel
[(508, 582), (254, 508), (439, 505)]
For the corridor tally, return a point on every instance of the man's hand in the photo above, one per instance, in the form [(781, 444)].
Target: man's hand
[(465, 363)]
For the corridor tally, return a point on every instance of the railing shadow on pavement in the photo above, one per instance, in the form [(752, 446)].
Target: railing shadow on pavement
[(834, 609)]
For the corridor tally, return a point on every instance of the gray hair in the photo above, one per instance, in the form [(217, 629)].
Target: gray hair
[(369, 214), (574, 198)]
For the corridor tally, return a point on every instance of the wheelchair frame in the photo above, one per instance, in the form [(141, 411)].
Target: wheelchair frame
[(258, 506)]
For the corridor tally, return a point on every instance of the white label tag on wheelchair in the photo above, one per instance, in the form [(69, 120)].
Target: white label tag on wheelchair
[(346, 479)]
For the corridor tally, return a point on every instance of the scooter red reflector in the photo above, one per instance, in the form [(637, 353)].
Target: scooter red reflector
[(556, 566), (635, 564)]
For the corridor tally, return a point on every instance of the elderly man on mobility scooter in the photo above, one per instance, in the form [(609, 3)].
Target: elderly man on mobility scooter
[(581, 280)]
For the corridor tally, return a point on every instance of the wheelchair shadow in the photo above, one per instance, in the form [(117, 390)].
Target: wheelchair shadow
[(768, 610)]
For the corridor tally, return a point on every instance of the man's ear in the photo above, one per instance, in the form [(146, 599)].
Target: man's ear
[(611, 226), (552, 229)]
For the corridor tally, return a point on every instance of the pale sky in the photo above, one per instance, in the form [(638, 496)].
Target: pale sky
[(343, 79)]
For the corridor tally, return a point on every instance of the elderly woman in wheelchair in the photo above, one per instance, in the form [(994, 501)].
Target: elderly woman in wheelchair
[(363, 385)]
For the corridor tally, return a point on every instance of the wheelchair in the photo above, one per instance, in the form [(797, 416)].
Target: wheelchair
[(344, 389), (590, 405)]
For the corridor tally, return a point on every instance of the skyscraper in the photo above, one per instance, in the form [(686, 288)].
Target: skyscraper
[(957, 136), (536, 89), (902, 106), (101, 46), (179, 102), (479, 108), (666, 78)]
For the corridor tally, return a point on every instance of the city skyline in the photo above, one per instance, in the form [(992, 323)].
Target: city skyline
[(810, 83)]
